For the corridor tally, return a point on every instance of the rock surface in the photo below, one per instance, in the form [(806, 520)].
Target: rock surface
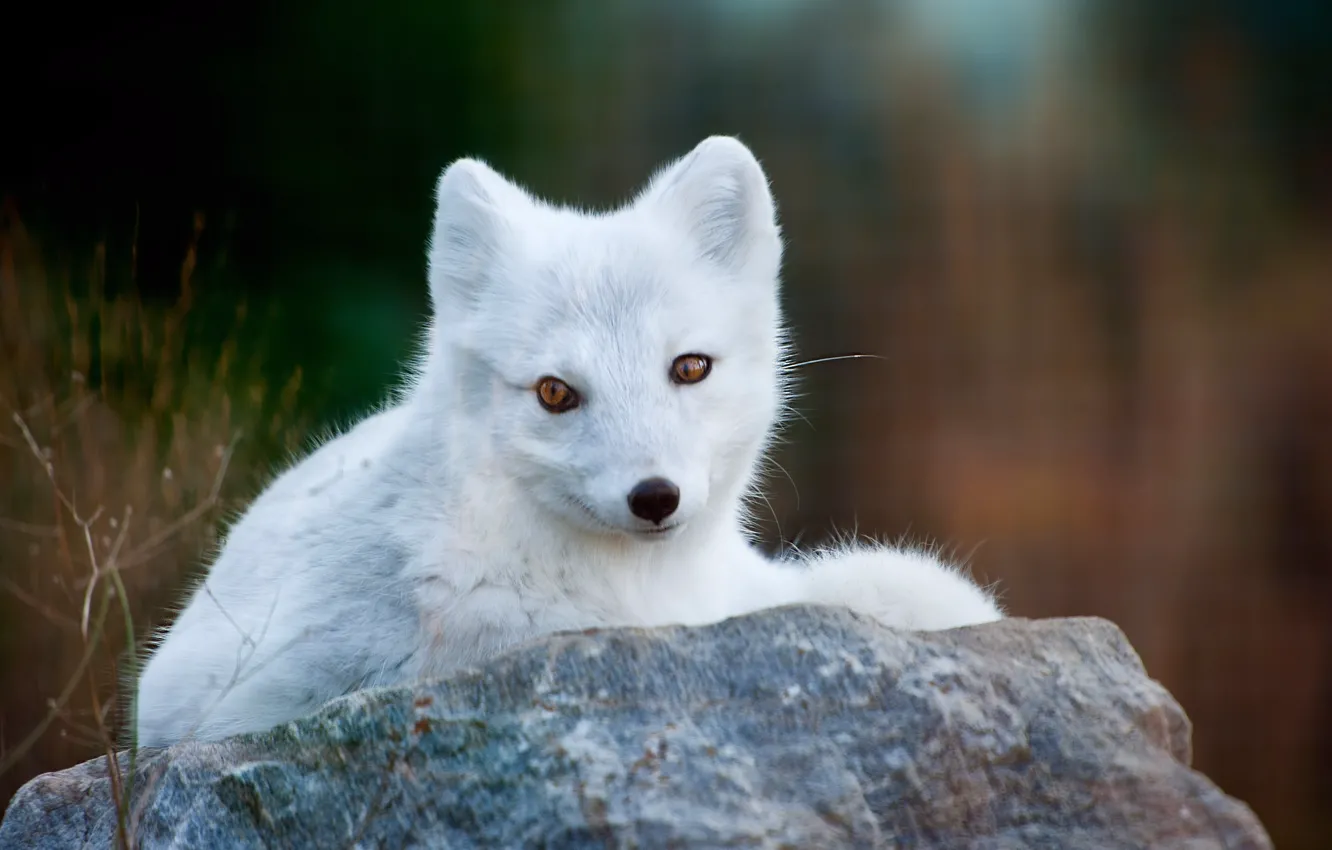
[(800, 727)]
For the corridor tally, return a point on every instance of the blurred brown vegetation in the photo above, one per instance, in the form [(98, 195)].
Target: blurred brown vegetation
[(1108, 375), (114, 449), (1109, 371)]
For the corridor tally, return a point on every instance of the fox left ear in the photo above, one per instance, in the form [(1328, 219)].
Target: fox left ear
[(719, 193), (470, 232)]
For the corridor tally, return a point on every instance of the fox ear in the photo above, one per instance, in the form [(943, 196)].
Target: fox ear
[(719, 193), (470, 225)]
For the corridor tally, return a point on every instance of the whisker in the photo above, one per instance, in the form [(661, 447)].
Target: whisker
[(773, 512), (797, 413), (788, 478), (830, 359)]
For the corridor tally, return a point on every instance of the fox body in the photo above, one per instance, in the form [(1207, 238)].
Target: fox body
[(575, 448)]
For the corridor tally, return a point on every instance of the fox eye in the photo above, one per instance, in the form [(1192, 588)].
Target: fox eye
[(690, 368), (555, 395)]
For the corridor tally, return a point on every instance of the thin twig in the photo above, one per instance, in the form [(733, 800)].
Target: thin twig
[(58, 704), (132, 722), (39, 606), (144, 551), (32, 529)]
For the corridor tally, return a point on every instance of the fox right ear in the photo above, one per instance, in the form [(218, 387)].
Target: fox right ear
[(468, 233), (719, 192)]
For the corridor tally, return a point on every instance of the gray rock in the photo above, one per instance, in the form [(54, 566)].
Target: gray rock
[(798, 727)]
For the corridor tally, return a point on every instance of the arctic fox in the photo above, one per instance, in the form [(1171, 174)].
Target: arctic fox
[(575, 448)]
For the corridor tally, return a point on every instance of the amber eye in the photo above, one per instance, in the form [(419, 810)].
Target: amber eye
[(555, 395), (690, 368)]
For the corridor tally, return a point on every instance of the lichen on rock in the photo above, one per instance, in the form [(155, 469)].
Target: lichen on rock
[(795, 727)]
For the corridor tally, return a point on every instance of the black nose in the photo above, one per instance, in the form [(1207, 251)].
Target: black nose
[(654, 499)]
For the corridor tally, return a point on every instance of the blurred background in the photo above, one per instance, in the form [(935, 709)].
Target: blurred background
[(1090, 239)]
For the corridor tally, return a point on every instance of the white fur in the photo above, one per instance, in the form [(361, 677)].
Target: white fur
[(466, 518)]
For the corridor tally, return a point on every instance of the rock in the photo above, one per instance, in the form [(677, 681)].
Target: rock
[(797, 727)]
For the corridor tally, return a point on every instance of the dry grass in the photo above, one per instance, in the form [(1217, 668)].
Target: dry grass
[(117, 432)]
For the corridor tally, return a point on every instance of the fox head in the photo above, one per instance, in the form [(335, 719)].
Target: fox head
[(622, 369)]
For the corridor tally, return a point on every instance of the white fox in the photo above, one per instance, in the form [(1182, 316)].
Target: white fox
[(575, 448)]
